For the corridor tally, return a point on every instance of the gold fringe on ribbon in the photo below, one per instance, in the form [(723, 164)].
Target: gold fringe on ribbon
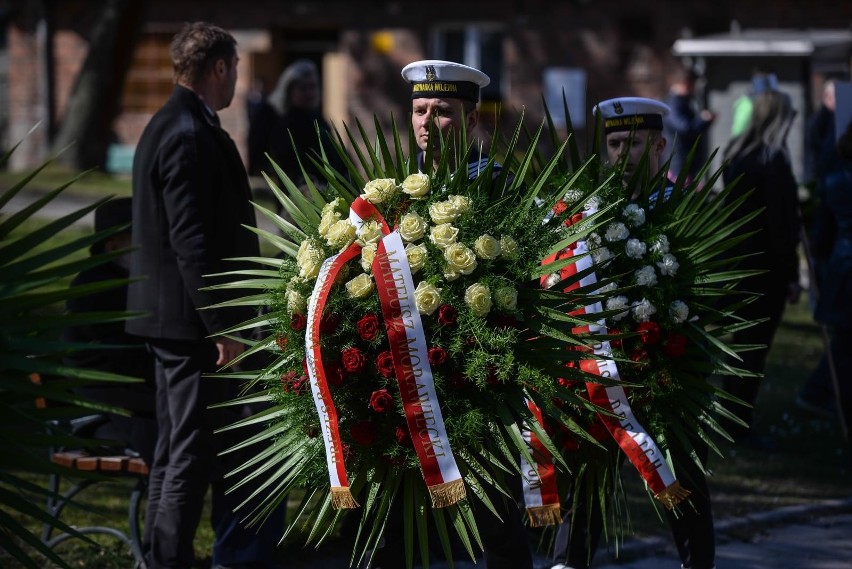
[(342, 499), (547, 515), (447, 493), (673, 495)]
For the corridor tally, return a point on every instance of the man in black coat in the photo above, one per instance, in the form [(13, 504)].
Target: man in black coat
[(190, 200)]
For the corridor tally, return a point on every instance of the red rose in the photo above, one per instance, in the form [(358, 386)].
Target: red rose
[(363, 433), (384, 361), (649, 333), (353, 360), (368, 327), (381, 401), (576, 218), (312, 432), (291, 382), (615, 342), (298, 322), (470, 341), (447, 315), (305, 365), (675, 345), (281, 341), (401, 435), (437, 356), (335, 374), (640, 356), (329, 323), (491, 376), (287, 380), (559, 207)]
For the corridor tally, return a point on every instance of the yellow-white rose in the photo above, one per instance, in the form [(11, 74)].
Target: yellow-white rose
[(296, 303), (340, 234), (309, 259), (380, 190), (329, 218), (371, 232), (443, 235), (508, 247), (462, 204), (427, 298), (486, 247), (450, 276), (416, 256), (460, 259), (412, 227), (443, 212), (360, 287), (368, 253), (478, 298), (416, 185), (506, 298), (336, 205)]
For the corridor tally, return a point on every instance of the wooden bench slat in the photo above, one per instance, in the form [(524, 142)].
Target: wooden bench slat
[(67, 458), (114, 463), (88, 463), (137, 466)]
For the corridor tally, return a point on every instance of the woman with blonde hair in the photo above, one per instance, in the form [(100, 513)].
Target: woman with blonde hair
[(758, 161)]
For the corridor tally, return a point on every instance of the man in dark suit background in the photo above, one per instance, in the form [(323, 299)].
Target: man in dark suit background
[(190, 200)]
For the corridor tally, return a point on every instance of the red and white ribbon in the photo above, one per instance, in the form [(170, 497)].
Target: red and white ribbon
[(341, 495), (395, 286), (541, 495), (634, 441)]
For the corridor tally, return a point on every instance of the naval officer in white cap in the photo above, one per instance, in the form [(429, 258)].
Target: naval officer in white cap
[(444, 94), (632, 125)]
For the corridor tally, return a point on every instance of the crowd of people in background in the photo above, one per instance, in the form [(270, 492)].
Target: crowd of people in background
[(191, 197)]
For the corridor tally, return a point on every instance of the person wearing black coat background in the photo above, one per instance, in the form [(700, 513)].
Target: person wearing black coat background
[(190, 202), (759, 157)]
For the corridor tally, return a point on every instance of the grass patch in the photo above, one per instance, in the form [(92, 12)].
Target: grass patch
[(95, 184)]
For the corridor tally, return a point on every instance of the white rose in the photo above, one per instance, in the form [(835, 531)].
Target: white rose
[(309, 259), (506, 298), (572, 196), (635, 249), (634, 215), (668, 265), (616, 231), (296, 303), (427, 298), (617, 303), (328, 219), (360, 287), (660, 245), (486, 247), (460, 259), (607, 288), (592, 204), (443, 235), (336, 205), (478, 298), (368, 253), (380, 190), (462, 204), (593, 240), (601, 255), (412, 227), (371, 232), (646, 276), (508, 247), (416, 256), (643, 310), (416, 185), (340, 234), (443, 212), (679, 311)]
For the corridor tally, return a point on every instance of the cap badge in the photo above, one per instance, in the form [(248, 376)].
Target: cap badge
[(430, 73), (616, 106)]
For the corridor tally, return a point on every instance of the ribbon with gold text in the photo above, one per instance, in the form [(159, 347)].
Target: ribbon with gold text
[(541, 495)]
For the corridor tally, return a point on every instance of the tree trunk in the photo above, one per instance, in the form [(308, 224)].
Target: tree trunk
[(95, 100)]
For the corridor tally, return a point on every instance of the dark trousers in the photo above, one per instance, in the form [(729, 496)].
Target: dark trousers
[(770, 306), (186, 463), (691, 522)]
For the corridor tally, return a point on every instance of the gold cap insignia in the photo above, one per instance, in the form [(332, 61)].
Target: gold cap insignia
[(430, 73), (616, 106)]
